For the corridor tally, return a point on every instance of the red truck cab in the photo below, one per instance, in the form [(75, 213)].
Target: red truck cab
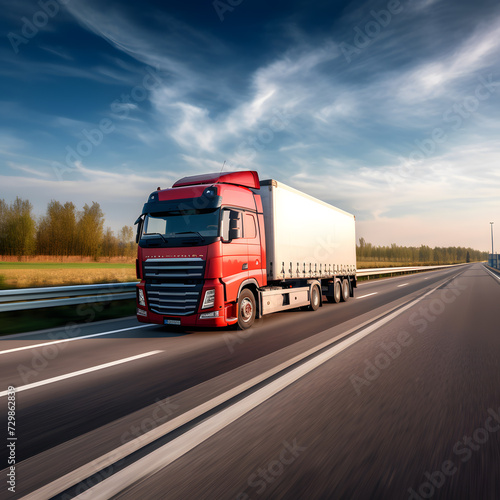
[(201, 252)]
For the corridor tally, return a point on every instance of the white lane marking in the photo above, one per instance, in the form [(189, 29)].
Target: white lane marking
[(15, 349), (367, 295), (168, 453), (80, 372), (404, 284), (493, 274)]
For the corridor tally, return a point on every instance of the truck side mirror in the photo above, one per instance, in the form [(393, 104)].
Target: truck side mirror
[(139, 222), (231, 225), (235, 230)]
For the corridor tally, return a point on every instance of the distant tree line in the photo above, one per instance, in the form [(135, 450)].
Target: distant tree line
[(62, 231), (422, 254), (66, 231)]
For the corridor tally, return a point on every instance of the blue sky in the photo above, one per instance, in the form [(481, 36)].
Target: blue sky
[(387, 109)]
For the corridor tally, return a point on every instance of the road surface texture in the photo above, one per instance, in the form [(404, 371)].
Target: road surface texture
[(394, 394)]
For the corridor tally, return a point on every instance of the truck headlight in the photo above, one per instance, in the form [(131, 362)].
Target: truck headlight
[(209, 299), (140, 297)]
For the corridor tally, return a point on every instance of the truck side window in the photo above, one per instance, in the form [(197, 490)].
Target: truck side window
[(250, 230)]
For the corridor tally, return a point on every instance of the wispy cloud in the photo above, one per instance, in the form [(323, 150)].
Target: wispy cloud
[(346, 130), (28, 170)]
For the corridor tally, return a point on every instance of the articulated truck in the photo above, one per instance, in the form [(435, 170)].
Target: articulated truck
[(224, 249)]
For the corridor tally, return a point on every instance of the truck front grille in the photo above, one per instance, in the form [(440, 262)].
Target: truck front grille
[(173, 286)]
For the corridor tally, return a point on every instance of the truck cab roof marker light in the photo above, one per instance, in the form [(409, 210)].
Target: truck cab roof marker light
[(210, 192)]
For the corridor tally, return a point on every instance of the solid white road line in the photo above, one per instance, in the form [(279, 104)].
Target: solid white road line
[(178, 447), (367, 295), (404, 284), (80, 372), (15, 349)]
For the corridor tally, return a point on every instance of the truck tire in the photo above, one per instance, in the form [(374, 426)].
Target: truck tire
[(315, 298), (246, 309), (346, 290), (337, 293)]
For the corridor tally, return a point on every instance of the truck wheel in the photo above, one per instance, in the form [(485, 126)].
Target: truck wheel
[(346, 290), (315, 298), (337, 293), (246, 309)]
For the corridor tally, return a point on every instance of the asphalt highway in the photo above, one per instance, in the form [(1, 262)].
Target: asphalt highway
[(394, 394)]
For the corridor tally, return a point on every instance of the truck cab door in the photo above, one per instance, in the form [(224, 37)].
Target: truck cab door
[(235, 261), (251, 235)]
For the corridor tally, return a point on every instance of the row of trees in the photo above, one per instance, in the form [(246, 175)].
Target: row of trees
[(62, 231), (438, 255), (66, 231)]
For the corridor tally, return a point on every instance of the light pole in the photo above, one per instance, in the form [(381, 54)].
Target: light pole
[(492, 251)]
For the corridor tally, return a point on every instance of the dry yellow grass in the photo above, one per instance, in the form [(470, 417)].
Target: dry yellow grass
[(66, 259), (26, 278), (368, 264)]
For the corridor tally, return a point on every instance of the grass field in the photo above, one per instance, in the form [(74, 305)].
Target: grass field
[(37, 274)]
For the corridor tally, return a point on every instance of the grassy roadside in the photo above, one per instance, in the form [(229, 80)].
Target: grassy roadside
[(45, 274), (65, 316), (39, 274)]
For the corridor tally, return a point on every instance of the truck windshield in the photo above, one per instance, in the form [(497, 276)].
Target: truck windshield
[(197, 224)]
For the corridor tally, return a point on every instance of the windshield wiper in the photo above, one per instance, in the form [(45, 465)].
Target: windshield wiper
[(158, 234), (194, 232)]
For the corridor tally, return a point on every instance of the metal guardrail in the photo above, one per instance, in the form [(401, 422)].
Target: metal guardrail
[(394, 270), (24, 299), (492, 269), (36, 298)]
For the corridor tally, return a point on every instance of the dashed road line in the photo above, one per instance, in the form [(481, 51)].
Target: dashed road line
[(15, 349), (80, 372)]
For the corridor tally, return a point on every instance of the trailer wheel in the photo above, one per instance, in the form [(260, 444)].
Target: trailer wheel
[(246, 309), (346, 290), (315, 298), (337, 293)]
